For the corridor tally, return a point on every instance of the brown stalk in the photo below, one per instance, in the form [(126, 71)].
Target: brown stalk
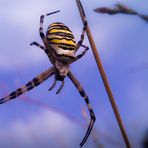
[(103, 76)]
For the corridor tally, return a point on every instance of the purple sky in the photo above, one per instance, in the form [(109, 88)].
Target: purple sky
[(122, 43)]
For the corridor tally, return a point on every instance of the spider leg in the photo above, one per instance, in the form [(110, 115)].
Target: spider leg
[(92, 115), (38, 45), (60, 88), (80, 55), (42, 47), (30, 85), (53, 85), (41, 26), (82, 35)]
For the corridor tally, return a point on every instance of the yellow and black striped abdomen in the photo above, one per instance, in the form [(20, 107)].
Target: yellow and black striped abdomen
[(61, 39)]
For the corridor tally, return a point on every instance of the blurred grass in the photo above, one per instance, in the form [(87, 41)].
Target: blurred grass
[(120, 8)]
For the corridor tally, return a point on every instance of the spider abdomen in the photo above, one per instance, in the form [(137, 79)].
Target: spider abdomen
[(62, 40)]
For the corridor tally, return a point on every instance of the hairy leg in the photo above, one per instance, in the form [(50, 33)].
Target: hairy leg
[(41, 26), (82, 35), (38, 45), (30, 85), (92, 115)]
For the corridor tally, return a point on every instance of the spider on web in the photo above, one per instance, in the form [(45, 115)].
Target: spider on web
[(60, 47)]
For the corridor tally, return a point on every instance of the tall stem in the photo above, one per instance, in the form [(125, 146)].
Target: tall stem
[(103, 76)]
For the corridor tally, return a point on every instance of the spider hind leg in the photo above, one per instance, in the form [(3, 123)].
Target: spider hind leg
[(92, 115)]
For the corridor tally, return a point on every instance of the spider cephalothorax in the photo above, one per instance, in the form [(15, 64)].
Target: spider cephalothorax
[(60, 47)]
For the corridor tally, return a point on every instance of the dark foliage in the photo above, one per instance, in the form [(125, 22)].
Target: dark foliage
[(145, 140)]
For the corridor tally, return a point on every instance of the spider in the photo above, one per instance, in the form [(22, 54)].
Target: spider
[(60, 47)]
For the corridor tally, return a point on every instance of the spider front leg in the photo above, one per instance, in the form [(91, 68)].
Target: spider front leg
[(41, 26), (82, 35), (92, 115)]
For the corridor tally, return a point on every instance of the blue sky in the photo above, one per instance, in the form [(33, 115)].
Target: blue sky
[(122, 44)]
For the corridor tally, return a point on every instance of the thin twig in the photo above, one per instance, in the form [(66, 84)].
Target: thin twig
[(103, 76), (120, 8)]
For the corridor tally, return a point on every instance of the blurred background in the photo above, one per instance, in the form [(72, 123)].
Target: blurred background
[(43, 119)]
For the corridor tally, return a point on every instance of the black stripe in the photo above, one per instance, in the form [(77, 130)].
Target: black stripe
[(41, 19), (61, 34), (63, 38), (80, 42), (13, 95), (42, 34), (82, 93), (60, 31), (42, 47), (64, 45), (92, 114), (67, 48), (65, 56), (29, 83), (36, 81), (85, 25), (46, 51), (86, 100), (19, 91), (30, 87), (59, 23), (2, 100), (59, 27)]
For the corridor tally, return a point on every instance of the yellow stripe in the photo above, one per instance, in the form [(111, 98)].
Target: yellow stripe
[(56, 31), (69, 42), (60, 37)]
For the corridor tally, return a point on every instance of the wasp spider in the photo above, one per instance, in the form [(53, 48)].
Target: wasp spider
[(60, 47)]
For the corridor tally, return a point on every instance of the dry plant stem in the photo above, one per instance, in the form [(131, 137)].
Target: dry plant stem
[(103, 75), (120, 8)]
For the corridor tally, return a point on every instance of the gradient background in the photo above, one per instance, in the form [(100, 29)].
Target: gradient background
[(43, 119)]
